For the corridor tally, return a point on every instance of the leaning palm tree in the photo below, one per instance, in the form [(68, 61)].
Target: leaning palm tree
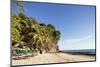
[(19, 4)]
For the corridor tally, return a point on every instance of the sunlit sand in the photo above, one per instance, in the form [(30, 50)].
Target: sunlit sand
[(53, 58)]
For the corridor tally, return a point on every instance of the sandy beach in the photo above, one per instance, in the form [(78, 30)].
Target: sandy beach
[(53, 58)]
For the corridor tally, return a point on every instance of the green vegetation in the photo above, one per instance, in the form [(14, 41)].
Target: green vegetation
[(27, 33), (23, 51)]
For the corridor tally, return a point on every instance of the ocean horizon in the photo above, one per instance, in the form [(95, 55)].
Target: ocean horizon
[(81, 51)]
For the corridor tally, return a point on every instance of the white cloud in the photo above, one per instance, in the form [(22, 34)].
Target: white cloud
[(76, 40), (86, 42)]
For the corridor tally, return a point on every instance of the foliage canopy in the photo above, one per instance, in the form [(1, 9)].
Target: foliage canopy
[(27, 32)]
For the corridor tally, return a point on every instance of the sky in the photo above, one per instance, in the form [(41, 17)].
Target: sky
[(75, 22)]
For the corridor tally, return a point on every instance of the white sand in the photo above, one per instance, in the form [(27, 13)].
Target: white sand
[(53, 58)]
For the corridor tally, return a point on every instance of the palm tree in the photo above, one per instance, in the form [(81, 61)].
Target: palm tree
[(20, 5)]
